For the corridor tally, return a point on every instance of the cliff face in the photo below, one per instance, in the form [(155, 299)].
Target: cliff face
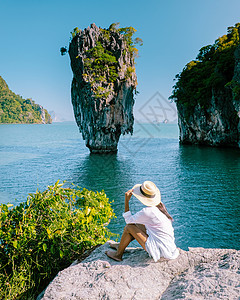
[(217, 122), (103, 84), (45, 117), (218, 125)]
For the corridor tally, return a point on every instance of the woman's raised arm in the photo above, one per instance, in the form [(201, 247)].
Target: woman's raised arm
[(128, 196)]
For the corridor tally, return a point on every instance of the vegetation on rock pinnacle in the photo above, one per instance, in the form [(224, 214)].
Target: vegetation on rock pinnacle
[(100, 63)]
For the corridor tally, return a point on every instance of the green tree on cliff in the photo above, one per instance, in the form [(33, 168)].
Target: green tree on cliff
[(212, 70)]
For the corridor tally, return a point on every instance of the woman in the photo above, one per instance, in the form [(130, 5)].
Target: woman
[(151, 227)]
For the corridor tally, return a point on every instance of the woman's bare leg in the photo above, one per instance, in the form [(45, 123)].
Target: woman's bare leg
[(115, 245), (131, 232), (125, 241)]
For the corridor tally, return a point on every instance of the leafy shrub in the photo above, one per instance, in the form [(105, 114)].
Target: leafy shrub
[(129, 71), (46, 233), (75, 31)]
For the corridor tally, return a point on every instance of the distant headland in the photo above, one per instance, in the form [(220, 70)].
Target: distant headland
[(15, 109)]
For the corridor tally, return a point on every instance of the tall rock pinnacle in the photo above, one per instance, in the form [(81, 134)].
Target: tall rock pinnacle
[(103, 85)]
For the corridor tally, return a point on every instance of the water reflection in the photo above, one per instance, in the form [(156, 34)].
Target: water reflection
[(109, 172), (208, 195)]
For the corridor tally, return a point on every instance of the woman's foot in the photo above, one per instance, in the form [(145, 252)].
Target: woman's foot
[(113, 255), (113, 245)]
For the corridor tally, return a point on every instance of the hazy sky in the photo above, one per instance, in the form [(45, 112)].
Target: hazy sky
[(173, 31)]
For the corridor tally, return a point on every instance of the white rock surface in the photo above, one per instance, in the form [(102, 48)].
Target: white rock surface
[(196, 274)]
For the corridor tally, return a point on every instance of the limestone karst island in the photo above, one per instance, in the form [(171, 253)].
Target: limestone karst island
[(15, 109), (207, 91), (103, 85), (207, 94)]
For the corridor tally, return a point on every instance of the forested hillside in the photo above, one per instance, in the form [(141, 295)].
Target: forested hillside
[(15, 109)]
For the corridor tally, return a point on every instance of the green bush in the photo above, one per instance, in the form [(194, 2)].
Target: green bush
[(46, 233), (129, 72), (75, 31)]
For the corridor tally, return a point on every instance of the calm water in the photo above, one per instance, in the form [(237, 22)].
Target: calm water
[(200, 186)]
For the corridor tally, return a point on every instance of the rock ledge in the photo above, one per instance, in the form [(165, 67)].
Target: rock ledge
[(196, 274)]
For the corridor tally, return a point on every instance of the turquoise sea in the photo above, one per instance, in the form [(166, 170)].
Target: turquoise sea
[(199, 185)]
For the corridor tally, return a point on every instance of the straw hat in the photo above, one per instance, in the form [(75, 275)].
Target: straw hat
[(147, 193)]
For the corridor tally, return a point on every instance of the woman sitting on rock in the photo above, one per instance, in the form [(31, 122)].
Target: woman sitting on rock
[(151, 227)]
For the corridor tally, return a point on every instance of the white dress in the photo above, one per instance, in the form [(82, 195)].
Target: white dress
[(160, 241)]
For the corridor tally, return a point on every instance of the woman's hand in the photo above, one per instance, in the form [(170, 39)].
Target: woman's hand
[(128, 195)]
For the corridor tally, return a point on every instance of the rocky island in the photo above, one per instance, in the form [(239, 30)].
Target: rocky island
[(103, 85), (15, 109), (207, 94)]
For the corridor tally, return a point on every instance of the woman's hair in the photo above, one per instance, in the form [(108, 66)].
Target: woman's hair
[(163, 209)]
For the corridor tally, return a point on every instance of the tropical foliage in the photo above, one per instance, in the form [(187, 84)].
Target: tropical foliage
[(15, 109), (212, 70), (101, 61), (46, 233), (101, 65)]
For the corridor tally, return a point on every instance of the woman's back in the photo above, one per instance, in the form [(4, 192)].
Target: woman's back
[(161, 241), (158, 224)]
